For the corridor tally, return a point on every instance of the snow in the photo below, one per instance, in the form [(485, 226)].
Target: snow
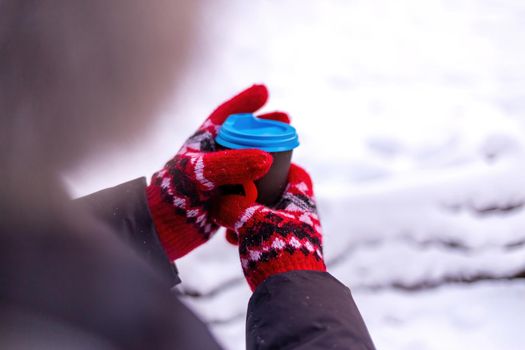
[(480, 316), (411, 118)]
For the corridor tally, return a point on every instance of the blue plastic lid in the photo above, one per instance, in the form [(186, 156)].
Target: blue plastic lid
[(247, 131)]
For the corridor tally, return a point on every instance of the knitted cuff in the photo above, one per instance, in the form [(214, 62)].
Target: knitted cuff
[(256, 273)]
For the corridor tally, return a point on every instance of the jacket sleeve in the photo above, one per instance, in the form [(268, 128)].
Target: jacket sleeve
[(305, 310), (125, 210)]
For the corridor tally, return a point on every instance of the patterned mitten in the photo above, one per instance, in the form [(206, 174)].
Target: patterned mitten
[(179, 196), (284, 238)]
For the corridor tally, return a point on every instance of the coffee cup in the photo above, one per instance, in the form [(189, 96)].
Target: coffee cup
[(246, 131)]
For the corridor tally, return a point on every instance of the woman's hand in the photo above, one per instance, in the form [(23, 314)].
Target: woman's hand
[(179, 196), (274, 240)]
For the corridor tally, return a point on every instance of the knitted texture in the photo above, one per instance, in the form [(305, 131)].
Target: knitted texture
[(274, 240), (180, 194)]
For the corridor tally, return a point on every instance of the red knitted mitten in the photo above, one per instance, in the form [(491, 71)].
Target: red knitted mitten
[(179, 196), (274, 240)]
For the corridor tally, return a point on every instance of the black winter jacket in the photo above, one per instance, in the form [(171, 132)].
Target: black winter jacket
[(74, 285)]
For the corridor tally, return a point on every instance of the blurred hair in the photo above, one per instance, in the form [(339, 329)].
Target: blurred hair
[(77, 74)]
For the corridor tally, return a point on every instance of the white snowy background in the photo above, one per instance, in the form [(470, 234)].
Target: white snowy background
[(411, 115)]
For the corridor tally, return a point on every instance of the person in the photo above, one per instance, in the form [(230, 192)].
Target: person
[(98, 272)]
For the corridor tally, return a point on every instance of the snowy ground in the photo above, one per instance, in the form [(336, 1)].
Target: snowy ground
[(412, 121)]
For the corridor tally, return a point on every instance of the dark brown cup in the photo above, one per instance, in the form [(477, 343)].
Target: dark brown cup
[(271, 186)]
